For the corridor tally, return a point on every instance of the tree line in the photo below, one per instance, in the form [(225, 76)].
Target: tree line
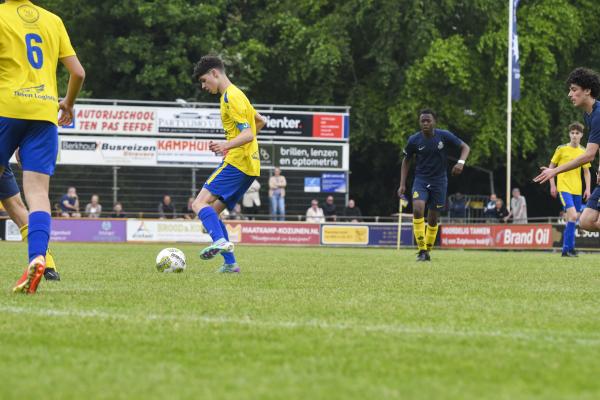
[(385, 58)]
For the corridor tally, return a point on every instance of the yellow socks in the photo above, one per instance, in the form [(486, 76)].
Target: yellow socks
[(49, 259), (24, 231), (430, 234), (419, 231), (425, 237)]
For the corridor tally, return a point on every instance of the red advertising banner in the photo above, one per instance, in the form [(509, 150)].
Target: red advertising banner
[(275, 233), (328, 126), (497, 236)]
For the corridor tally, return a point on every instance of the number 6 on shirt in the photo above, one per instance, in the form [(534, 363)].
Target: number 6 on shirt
[(34, 53)]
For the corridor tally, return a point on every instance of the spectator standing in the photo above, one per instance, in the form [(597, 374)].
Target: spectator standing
[(277, 185), (352, 213), (187, 212), (118, 211), (329, 210), (315, 213), (93, 209), (166, 208), (69, 204), (251, 199), (518, 208)]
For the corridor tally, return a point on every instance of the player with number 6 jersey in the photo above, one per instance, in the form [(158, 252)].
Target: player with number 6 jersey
[(32, 42)]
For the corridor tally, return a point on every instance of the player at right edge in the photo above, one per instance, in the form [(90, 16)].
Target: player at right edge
[(584, 89), (568, 186)]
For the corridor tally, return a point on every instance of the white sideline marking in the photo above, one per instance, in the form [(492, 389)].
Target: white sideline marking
[(530, 335)]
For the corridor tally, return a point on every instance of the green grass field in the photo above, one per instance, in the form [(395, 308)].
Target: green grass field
[(303, 323)]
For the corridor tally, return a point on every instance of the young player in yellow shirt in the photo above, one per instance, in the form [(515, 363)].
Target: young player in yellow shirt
[(241, 165), (568, 187)]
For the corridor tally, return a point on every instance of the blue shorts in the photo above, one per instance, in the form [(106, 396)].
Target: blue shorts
[(594, 200), (229, 184), (569, 200), (432, 193), (8, 184), (37, 142)]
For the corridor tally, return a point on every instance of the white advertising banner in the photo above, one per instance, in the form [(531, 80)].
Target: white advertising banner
[(13, 234), (129, 120), (134, 151), (81, 150), (144, 230), (185, 152), (189, 120), (138, 151)]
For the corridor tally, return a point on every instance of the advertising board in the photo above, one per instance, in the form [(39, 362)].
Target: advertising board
[(497, 236), (128, 120)]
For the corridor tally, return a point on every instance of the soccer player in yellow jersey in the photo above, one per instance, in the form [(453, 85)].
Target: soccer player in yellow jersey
[(568, 187), (32, 42), (241, 165), (10, 198)]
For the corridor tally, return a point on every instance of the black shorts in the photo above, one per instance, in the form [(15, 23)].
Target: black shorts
[(8, 184), (594, 200), (433, 193)]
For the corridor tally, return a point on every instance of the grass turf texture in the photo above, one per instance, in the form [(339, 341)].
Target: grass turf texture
[(303, 323)]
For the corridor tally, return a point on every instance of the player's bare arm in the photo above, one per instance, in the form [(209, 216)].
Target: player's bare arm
[(553, 190), (464, 153), (260, 122), (403, 175), (587, 157), (587, 177), (77, 76), (246, 136)]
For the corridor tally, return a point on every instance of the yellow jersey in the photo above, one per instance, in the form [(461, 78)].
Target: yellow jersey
[(569, 181), (32, 40), (238, 114)]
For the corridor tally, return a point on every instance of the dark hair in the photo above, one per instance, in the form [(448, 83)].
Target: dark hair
[(576, 126), (587, 79), (428, 111), (205, 64)]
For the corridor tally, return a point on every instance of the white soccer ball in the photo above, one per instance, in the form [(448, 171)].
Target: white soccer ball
[(170, 260)]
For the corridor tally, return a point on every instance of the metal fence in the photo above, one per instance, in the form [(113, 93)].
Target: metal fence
[(141, 189)]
